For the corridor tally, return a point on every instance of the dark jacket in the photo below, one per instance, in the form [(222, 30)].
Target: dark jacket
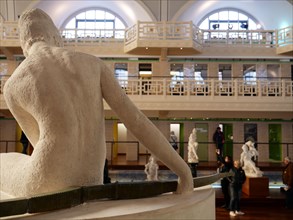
[(218, 137), (288, 175), (238, 179), (225, 166)]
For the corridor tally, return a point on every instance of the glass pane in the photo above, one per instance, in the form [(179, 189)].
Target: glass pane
[(204, 24), (81, 16), (250, 133), (223, 15), (233, 15), (70, 24), (100, 25), (273, 70), (119, 24), (252, 25), (109, 25), (214, 17), (109, 16), (90, 25), (81, 25), (100, 14), (237, 21), (90, 14), (242, 17)]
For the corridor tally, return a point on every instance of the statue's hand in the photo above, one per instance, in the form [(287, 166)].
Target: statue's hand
[(184, 186)]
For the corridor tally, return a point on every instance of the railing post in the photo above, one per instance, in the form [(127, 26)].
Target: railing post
[(137, 31), (213, 88), (236, 88), (164, 87), (283, 88), (140, 86), (192, 31)]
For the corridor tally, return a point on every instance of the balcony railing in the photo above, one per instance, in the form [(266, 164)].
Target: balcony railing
[(9, 35), (210, 87)]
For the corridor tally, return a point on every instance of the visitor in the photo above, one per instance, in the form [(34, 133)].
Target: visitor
[(219, 140), (173, 140), (287, 177), (225, 167), (107, 179), (235, 188), (25, 142)]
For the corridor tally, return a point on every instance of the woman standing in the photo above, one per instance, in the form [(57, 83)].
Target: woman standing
[(235, 188)]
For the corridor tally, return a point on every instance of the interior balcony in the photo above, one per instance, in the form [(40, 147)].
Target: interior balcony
[(285, 41), (166, 98), (157, 38)]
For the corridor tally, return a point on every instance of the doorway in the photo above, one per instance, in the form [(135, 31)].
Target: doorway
[(228, 134), (202, 139), (275, 140)]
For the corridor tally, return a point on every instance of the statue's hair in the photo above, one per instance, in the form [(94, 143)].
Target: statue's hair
[(35, 25)]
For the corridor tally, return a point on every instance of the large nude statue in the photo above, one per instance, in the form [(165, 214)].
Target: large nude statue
[(56, 95)]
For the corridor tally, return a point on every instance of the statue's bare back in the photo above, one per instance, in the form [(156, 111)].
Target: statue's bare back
[(56, 96)]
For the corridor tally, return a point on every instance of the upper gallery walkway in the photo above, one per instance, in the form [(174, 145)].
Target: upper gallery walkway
[(166, 38)]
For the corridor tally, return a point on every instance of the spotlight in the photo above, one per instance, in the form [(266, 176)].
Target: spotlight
[(215, 26), (244, 25)]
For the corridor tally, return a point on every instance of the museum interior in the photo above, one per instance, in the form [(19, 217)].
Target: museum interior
[(185, 64)]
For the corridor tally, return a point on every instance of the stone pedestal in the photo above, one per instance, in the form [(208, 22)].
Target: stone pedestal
[(256, 186), (197, 205)]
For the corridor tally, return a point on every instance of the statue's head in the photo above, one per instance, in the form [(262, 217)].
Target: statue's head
[(34, 26), (245, 147), (250, 143)]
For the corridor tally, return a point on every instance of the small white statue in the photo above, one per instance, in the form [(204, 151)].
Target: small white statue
[(192, 153), (151, 169), (192, 148), (246, 156)]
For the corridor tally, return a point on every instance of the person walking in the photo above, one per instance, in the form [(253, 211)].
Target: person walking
[(287, 177), (235, 188)]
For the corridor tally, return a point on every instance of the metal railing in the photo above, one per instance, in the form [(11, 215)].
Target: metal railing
[(9, 146), (210, 87)]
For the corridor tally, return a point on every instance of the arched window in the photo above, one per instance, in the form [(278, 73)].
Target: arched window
[(229, 19), (94, 23)]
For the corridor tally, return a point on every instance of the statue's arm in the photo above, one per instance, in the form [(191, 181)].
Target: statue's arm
[(19, 97), (143, 129)]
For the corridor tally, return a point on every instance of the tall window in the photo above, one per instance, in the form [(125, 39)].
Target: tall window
[(225, 71), (249, 74), (177, 73), (94, 24), (121, 73), (200, 72), (229, 19)]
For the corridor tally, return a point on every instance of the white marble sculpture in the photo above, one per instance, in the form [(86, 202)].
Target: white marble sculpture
[(246, 156), (192, 147), (151, 169), (56, 95)]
